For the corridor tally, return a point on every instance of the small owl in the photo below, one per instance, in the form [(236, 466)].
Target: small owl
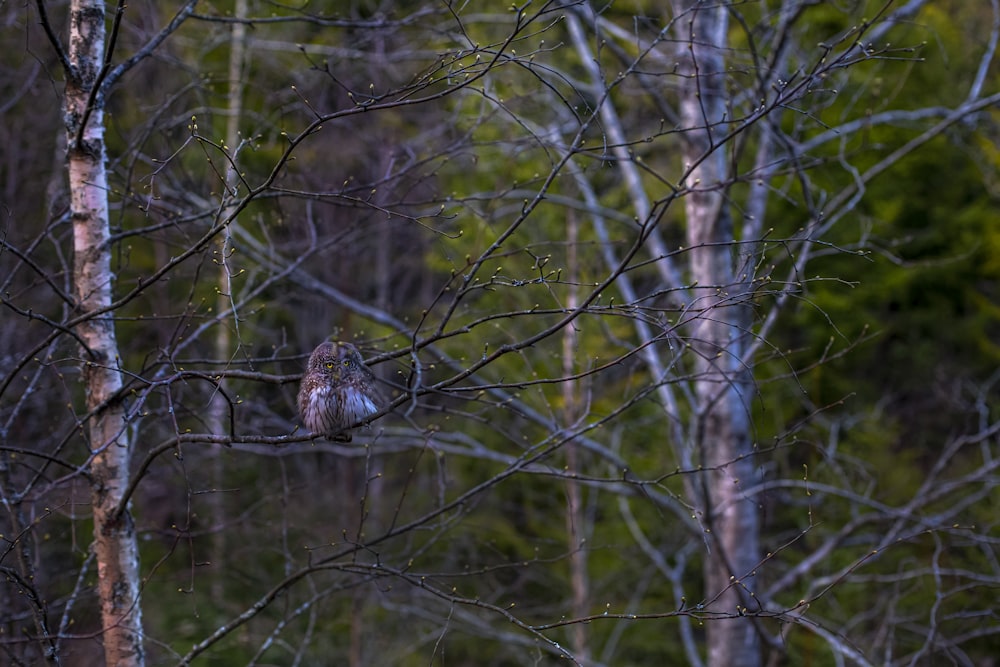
[(337, 391)]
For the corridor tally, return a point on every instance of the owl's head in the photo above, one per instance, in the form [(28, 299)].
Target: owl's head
[(335, 359)]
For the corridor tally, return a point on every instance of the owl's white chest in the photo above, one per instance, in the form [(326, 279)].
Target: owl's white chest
[(357, 406), (316, 412), (327, 410)]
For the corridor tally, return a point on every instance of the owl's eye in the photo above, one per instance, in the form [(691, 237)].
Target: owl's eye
[(329, 364), (347, 362)]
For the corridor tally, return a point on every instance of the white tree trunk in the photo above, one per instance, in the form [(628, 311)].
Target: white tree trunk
[(218, 408), (115, 547), (576, 515), (720, 435)]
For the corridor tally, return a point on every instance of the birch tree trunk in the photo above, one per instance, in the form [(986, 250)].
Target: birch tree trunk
[(576, 516), (225, 302), (720, 435), (115, 547)]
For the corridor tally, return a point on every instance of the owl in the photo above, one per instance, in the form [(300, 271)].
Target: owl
[(338, 391)]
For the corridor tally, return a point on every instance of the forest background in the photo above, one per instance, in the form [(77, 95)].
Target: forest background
[(688, 313)]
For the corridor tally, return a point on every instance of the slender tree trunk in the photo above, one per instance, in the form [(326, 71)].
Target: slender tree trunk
[(115, 547), (223, 339), (721, 433), (576, 516)]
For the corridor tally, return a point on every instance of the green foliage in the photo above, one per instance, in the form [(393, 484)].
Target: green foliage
[(431, 217)]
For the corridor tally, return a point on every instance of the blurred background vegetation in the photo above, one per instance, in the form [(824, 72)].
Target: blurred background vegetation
[(436, 223)]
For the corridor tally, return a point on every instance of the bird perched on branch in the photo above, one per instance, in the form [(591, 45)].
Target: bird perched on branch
[(337, 392)]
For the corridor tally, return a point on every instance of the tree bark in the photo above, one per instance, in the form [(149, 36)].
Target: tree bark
[(115, 546), (720, 436), (225, 301), (576, 516)]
